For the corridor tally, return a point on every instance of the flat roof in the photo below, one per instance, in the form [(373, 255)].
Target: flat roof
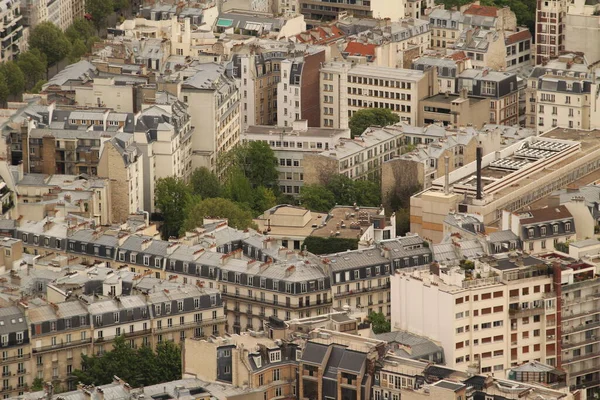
[(347, 221)]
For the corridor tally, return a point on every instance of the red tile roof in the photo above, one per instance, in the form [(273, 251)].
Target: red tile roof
[(459, 55), (484, 11), (363, 49), (518, 37), (320, 35)]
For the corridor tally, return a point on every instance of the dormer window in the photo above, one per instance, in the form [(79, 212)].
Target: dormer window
[(530, 232), (257, 361), (543, 231), (121, 256), (555, 228), (567, 227), (157, 262), (275, 356), (132, 257), (146, 260)]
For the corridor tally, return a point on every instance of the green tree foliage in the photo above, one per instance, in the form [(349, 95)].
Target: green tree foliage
[(51, 41), (37, 385), (342, 188), (255, 159), (171, 196), (217, 207), (316, 198), (4, 89), (15, 79), (322, 245), (81, 29), (367, 117), (205, 183), (264, 199), (38, 86), (151, 367), (239, 189), (99, 10), (121, 5), (33, 64), (78, 50), (402, 221), (367, 193), (379, 323)]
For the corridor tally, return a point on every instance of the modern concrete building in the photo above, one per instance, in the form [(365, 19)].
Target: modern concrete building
[(11, 26), (507, 180), (550, 21), (347, 88)]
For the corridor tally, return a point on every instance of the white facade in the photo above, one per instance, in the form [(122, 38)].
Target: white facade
[(104, 93), (11, 26), (289, 96), (346, 89)]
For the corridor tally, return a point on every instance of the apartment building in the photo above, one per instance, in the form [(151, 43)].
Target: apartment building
[(518, 49), (258, 74), (448, 68), (164, 135), (16, 351), (498, 318), (249, 360), (298, 91), (499, 87), (337, 365), (106, 93), (347, 88), (392, 45), (357, 158), (121, 162), (581, 29), (446, 26), (454, 110), (361, 278), (291, 145), (11, 25), (541, 230), (559, 94), (379, 9), (212, 96), (550, 22)]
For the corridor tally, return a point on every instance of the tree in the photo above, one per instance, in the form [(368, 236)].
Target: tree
[(151, 367), (316, 198), (342, 188), (402, 221), (99, 10), (217, 207), (168, 361), (328, 245), (4, 89), (264, 199), (239, 189), (379, 323), (255, 159), (171, 197), (37, 385), (81, 29), (368, 193), (38, 86), (205, 183), (367, 117), (51, 41), (78, 50), (33, 64), (15, 79)]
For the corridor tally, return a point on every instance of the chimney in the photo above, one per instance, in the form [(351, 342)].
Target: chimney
[(479, 159), (447, 175)]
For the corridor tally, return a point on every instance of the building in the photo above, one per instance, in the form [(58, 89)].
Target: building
[(16, 350), (582, 29), (250, 360), (542, 229), (12, 30), (357, 158), (499, 87), (347, 88), (550, 22), (298, 90), (454, 110), (379, 9), (289, 225), (559, 94), (499, 173), (448, 68), (290, 146), (498, 319), (393, 44), (337, 365), (366, 225), (212, 95)]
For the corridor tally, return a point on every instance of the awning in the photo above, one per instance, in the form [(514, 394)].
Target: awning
[(224, 23)]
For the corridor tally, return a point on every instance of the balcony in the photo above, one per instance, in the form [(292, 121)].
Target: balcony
[(525, 312), (6, 389), (580, 358), (61, 345), (257, 300), (582, 327), (567, 315), (15, 358), (585, 385), (178, 327), (359, 291), (579, 343)]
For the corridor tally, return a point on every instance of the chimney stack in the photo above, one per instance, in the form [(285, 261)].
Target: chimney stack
[(447, 175), (479, 159)]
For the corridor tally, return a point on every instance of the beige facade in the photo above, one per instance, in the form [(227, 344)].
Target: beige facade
[(103, 92), (454, 110), (346, 89)]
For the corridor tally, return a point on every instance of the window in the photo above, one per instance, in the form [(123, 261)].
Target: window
[(275, 356), (276, 374)]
